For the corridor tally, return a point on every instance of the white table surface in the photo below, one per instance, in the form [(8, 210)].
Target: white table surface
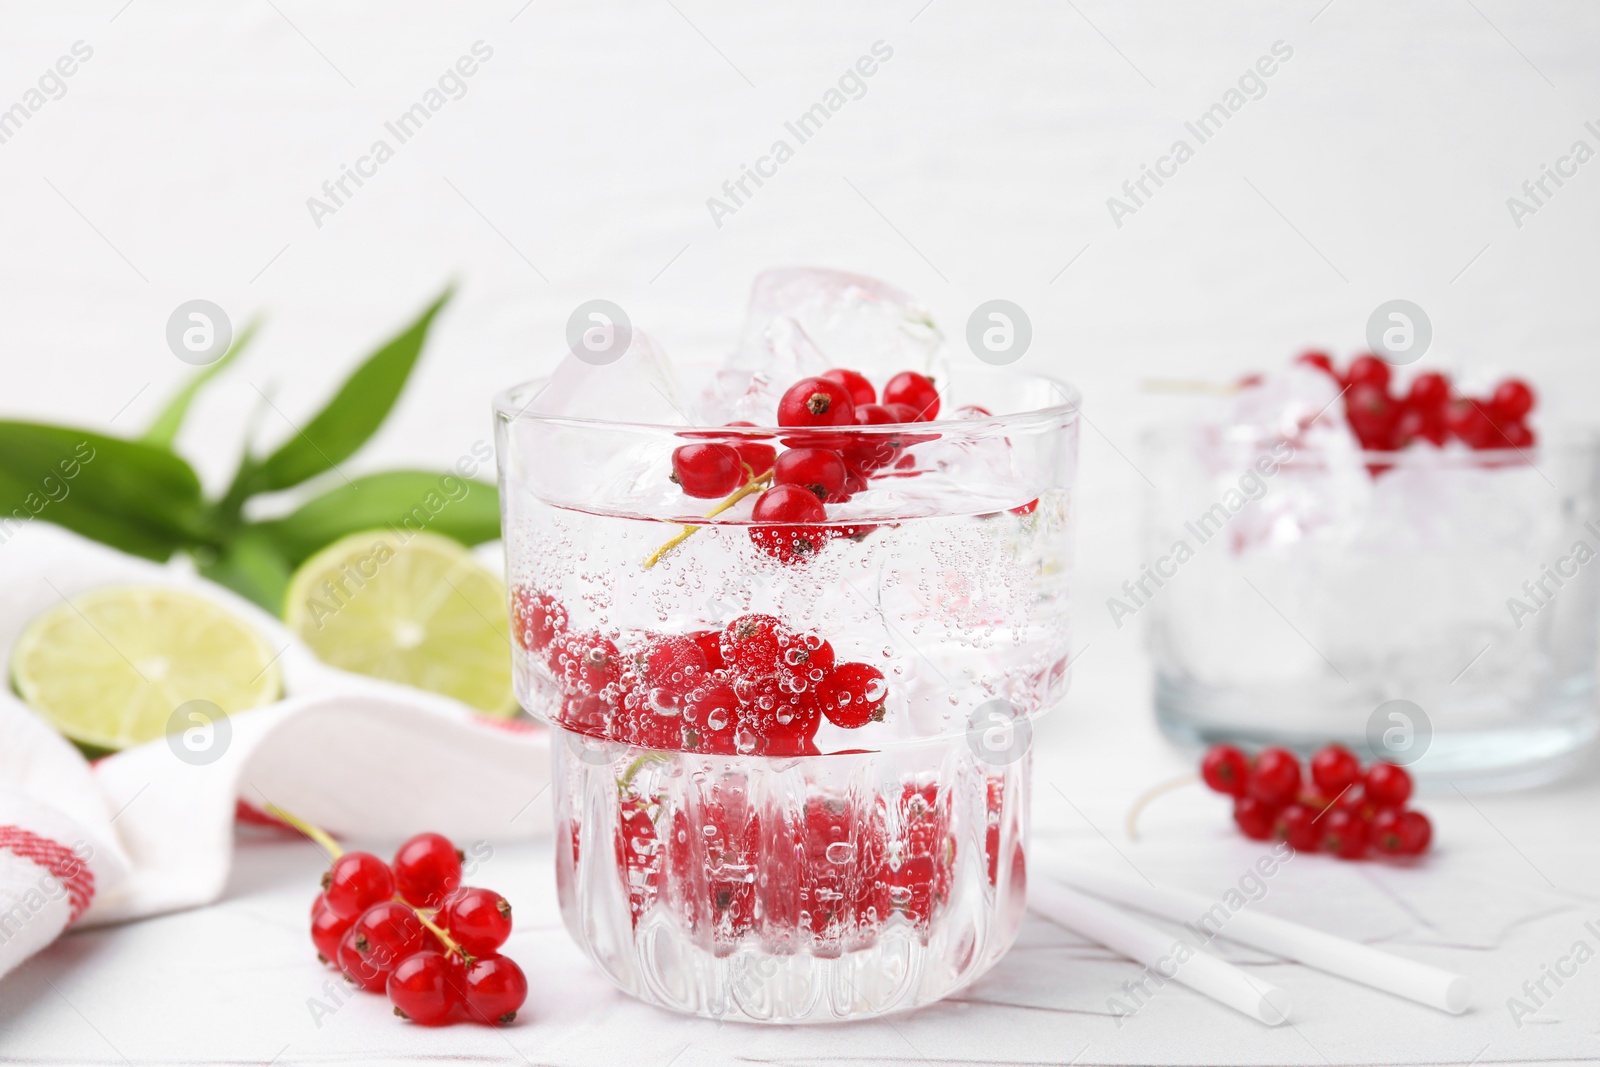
[(1507, 889), (178, 164)]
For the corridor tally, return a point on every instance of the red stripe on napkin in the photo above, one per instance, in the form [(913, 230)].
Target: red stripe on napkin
[(72, 872)]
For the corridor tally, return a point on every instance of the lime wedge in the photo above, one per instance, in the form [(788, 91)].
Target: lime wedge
[(110, 668), (415, 608)]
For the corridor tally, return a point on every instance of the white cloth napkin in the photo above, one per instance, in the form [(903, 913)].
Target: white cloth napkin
[(145, 832)]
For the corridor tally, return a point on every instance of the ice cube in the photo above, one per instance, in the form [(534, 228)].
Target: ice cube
[(749, 388), (1290, 404), (849, 319), (642, 387)]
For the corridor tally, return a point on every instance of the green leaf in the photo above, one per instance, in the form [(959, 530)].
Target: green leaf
[(252, 566), (353, 415), (164, 430), (464, 509), (127, 494)]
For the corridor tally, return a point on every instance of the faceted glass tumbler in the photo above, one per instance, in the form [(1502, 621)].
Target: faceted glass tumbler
[(705, 866)]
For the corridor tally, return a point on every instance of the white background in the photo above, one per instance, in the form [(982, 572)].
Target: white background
[(977, 165)]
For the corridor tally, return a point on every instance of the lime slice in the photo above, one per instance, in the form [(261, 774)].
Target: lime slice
[(414, 608), (111, 667)]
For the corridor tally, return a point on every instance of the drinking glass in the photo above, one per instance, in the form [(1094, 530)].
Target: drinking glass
[(1431, 607), (709, 858)]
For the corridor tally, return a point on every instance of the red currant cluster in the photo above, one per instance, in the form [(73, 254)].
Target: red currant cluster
[(1430, 410), (815, 468), (1343, 810), (409, 929), (837, 869), (753, 688)]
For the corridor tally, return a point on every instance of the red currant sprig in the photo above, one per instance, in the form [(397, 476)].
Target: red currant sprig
[(1386, 420), (419, 937), (832, 467), (1343, 810)]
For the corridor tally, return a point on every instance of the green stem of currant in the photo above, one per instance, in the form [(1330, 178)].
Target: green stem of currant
[(325, 841), (755, 484), (321, 837)]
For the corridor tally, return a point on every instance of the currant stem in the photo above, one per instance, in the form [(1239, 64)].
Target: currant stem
[(1150, 794), (450, 944), (637, 765), (322, 838), (754, 485)]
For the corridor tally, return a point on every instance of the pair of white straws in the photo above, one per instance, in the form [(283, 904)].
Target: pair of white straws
[(1067, 896)]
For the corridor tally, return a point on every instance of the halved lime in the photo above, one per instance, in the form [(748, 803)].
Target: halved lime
[(109, 668), (409, 607)]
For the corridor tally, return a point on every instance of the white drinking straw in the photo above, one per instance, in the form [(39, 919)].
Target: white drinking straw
[(1159, 952), (1432, 986)]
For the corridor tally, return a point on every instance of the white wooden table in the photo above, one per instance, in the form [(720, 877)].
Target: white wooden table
[(1507, 890)]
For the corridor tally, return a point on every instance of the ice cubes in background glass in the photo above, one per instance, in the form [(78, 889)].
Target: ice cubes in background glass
[(641, 387), (855, 321), (1279, 463), (1292, 403)]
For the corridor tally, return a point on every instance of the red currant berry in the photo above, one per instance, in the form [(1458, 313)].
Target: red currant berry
[(903, 413), (779, 506), (355, 882), (875, 451), (853, 483), (861, 391), (358, 969), (586, 663), (1333, 769), (1318, 361), (751, 645), (1430, 391), (478, 919), (1344, 834), (536, 618), (1254, 817), (424, 989), (1368, 370), (852, 695), (1513, 399), (496, 989), (788, 503), (427, 869), (817, 469), (710, 718), (805, 657), (387, 933), (1372, 415), (1416, 833), (709, 642), (781, 722), (916, 392), (1356, 801), (816, 402), (756, 456), (1469, 421), (1225, 770), (1275, 777), (1297, 824), (328, 928), (1388, 785), (1383, 831), (1517, 435), (676, 662), (707, 470)]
